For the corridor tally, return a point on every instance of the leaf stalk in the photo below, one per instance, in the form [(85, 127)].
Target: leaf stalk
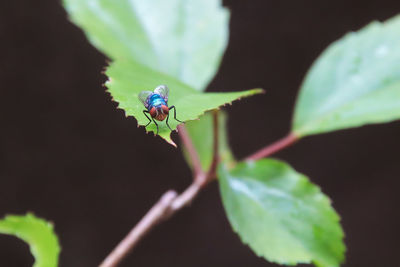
[(282, 143)]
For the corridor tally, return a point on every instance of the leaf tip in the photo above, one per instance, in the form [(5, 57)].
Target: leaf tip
[(168, 139), (260, 91)]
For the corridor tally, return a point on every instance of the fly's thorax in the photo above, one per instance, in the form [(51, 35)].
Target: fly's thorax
[(159, 112), (156, 100)]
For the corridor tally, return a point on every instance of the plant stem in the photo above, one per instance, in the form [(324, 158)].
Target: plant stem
[(171, 202), (167, 206), (155, 215), (194, 157), (274, 147), (215, 160)]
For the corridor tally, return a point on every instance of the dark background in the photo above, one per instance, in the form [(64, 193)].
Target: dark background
[(70, 156)]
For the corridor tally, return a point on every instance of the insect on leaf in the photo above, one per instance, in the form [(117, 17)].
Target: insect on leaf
[(178, 43), (128, 80)]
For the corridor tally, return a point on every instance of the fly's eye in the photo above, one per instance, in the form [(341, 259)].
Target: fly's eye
[(153, 112), (165, 109)]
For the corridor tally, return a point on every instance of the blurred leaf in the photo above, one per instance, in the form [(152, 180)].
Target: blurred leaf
[(202, 134), (178, 43), (184, 39), (280, 214), (356, 81), (37, 233)]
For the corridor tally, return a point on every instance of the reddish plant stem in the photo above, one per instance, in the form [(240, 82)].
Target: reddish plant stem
[(274, 147), (171, 202), (155, 215), (211, 174), (194, 157), (167, 206)]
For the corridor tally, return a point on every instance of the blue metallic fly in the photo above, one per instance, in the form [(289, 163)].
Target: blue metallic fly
[(156, 104)]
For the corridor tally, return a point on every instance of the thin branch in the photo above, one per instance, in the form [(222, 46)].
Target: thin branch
[(160, 211), (170, 202), (194, 157), (167, 206), (215, 160), (274, 147), (186, 197)]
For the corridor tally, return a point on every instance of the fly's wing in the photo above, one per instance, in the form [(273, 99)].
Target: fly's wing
[(143, 96), (163, 91)]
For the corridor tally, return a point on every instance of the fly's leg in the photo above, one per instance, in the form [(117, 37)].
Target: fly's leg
[(144, 112), (167, 122), (173, 107), (156, 125)]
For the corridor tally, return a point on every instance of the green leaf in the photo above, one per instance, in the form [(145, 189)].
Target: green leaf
[(280, 214), (184, 39), (201, 133), (37, 233), (128, 79), (356, 81), (178, 43)]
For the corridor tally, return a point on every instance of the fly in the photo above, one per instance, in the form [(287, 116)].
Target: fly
[(156, 104)]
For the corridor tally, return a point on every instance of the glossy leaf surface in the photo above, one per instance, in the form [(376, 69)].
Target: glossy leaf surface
[(356, 81), (280, 214), (38, 233)]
